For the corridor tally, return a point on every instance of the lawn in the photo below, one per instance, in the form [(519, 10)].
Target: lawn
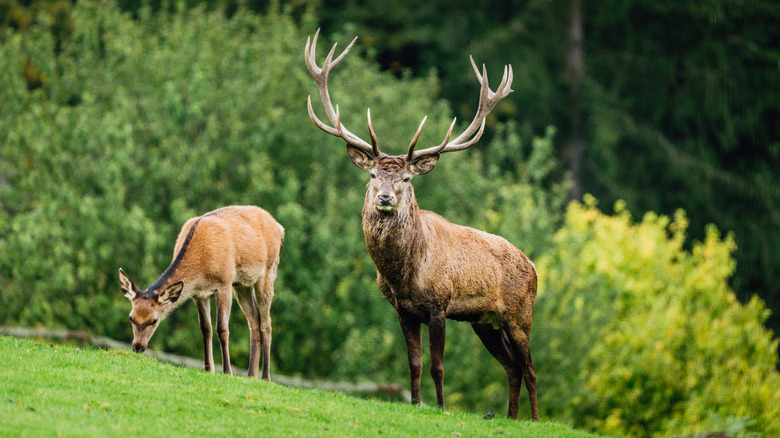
[(60, 390)]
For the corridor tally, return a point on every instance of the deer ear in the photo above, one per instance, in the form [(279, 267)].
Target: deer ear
[(128, 288), (360, 157), (171, 294), (424, 164)]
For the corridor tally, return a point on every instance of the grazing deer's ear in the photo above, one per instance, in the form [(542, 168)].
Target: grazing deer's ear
[(128, 288), (424, 164), (360, 157), (171, 294)]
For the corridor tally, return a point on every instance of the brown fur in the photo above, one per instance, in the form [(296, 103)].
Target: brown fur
[(233, 248), (430, 269)]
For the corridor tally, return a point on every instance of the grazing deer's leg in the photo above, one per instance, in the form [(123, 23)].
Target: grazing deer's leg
[(224, 300), (498, 344), (246, 301), (436, 329), (413, 336), (520, 340), (265, 293), (204, 318)]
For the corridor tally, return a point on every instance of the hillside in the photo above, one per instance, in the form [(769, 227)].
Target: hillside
[(57, 390)]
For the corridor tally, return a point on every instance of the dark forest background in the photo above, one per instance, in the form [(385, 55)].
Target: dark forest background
[(133, 116), (662, 104)]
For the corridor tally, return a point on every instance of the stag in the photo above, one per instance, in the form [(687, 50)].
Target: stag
[(233, 248), (428, 268)]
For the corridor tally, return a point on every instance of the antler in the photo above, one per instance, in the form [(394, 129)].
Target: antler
[(321, 77), (487, 101)]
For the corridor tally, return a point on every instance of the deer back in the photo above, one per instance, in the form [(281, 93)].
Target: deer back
[(236, 244)]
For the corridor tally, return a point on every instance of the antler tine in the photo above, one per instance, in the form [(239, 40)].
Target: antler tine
[(374, 142), (344, 53), (438, 148), (339, 126), (474, 66), (410, 153), (318, 122), (487, 101), (321, 77)]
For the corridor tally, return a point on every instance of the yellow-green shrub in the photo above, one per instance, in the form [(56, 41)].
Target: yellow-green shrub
[(648, 332)]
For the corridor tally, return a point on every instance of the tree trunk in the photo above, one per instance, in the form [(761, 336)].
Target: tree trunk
[(575, 75)]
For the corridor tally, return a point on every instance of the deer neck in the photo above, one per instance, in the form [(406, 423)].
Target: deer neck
[(394, 240)]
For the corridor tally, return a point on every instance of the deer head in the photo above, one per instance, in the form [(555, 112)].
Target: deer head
[(391, 175), (149, 308)]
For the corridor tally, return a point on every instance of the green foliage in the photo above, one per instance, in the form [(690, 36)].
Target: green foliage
[(139, 124), (687, 119), (649, 335), (65, 391)]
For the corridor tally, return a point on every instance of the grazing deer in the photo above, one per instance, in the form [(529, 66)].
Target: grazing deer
[(230, 248), (428, 268)]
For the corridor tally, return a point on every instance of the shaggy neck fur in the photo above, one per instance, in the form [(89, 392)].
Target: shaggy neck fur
[(394, 239)]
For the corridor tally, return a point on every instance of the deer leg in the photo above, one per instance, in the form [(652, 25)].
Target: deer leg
[(436, 329), (264, 296), (520, 340), (224, 300), (246, 301), (413, 336), (204, 318), (498, 344), (529, 375)]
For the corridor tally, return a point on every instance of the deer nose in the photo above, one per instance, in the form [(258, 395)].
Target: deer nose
[(385, 199), (138, 348)]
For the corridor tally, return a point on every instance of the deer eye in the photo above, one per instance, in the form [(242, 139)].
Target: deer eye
[(154, 322), (407, 178), (373, 174)]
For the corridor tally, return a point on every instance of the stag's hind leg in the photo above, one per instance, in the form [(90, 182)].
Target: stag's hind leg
[(498, 344), (246, 301), (519, 338), (436, 332)]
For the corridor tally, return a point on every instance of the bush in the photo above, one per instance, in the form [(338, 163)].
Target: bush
[(648, 335)]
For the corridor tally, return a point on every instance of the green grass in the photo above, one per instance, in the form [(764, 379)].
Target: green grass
[(58, 390)]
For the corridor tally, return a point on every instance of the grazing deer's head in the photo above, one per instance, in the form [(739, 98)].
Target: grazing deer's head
[(149, 308), (390, 188)]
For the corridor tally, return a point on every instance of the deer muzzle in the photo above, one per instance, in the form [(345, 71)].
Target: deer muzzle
[(385, 201)]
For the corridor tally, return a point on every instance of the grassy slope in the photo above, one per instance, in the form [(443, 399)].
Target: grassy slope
[(55, 390)]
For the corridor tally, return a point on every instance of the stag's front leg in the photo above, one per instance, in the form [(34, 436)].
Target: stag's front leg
[(413, 336), (204, 318), (436, 328), (224, 301)]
